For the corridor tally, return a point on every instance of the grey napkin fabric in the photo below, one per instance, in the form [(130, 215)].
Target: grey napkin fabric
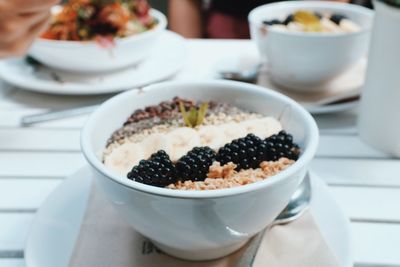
[(106, 240)]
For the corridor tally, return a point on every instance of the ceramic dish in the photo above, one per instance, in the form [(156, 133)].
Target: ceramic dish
[(65, 207), (224, 219), (89, 56), (303, 61), (166, 58), (339, 94)]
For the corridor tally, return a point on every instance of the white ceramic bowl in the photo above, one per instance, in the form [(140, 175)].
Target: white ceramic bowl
[(200, 225), (304, 61), (89, 56)]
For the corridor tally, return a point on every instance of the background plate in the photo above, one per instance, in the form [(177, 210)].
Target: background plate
[(166, 59)]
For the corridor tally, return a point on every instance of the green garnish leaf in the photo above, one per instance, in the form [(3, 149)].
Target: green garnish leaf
[(202, 113), (184, 114), (194, 116)]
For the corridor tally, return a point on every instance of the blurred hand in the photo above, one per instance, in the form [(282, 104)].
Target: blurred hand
[(21, 21)]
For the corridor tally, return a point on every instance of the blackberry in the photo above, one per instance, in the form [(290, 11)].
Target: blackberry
[(288, 19), (281, 145), (336, 18), (247, 152), (250, 151), (318, 15), (272, 22), (195, 164), (157, 171)]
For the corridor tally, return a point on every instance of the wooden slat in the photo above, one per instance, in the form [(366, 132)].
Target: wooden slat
[(361, 172), (369, 204), (368, 240), (346, 146), (202, 65), (376, 244), (14, 230), (12, 118), (344, 122), (31, 164), (24, 194), (12, 263), (28, 139), (18, 99)]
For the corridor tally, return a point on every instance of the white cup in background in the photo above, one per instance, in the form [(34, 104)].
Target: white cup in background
[(379, 120)]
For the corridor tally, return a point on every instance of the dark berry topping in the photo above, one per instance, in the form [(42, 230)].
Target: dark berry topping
[(157, 171), (250, 151), (288, 19), (247, 152), (336, 18), (281, 145), (195, 164), (318, 15), (272, 22)]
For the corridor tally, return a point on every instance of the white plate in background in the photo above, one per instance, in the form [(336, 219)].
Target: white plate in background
[(167, 57)]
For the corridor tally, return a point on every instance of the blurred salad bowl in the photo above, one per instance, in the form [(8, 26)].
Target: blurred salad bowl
[(85, 39)]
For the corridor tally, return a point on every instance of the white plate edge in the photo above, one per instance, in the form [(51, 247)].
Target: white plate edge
[(315, 180)]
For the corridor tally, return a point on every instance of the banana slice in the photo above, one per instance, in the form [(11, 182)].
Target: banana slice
[(124, 157), (182, 141), (154, 143), (263, 127), (349, 26), (232, 131), (329, 25), (211, 136)]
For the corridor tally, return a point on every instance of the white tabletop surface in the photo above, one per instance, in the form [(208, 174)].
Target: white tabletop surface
[(34, 160)]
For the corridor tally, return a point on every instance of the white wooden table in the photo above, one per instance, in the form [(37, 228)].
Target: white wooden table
[(34, 160)]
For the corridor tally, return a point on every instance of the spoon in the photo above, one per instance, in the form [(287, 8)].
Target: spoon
[(247, 75), (298, 204), (56, 115)]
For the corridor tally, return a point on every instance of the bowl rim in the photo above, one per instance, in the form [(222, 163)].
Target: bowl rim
[(314, 4), (95, 162), (161, 25)]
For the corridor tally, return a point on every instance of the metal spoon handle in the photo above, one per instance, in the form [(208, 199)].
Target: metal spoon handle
[(298, 204), (55, 115), (248, 256)]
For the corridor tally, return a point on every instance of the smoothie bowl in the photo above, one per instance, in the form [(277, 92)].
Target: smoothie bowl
[(308, 43), (199, 167)]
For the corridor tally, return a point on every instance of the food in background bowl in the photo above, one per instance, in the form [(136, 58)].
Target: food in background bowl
[(198, 224), (100, 43), (305, 61), (83, 20), (190, 145), (308, 21)]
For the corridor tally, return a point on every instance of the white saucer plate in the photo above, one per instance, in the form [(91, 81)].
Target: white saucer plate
[(337, 95), (57, 223), (332, 108), (167, 57)]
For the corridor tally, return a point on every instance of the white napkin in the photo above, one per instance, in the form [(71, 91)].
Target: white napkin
[(106, 240)]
